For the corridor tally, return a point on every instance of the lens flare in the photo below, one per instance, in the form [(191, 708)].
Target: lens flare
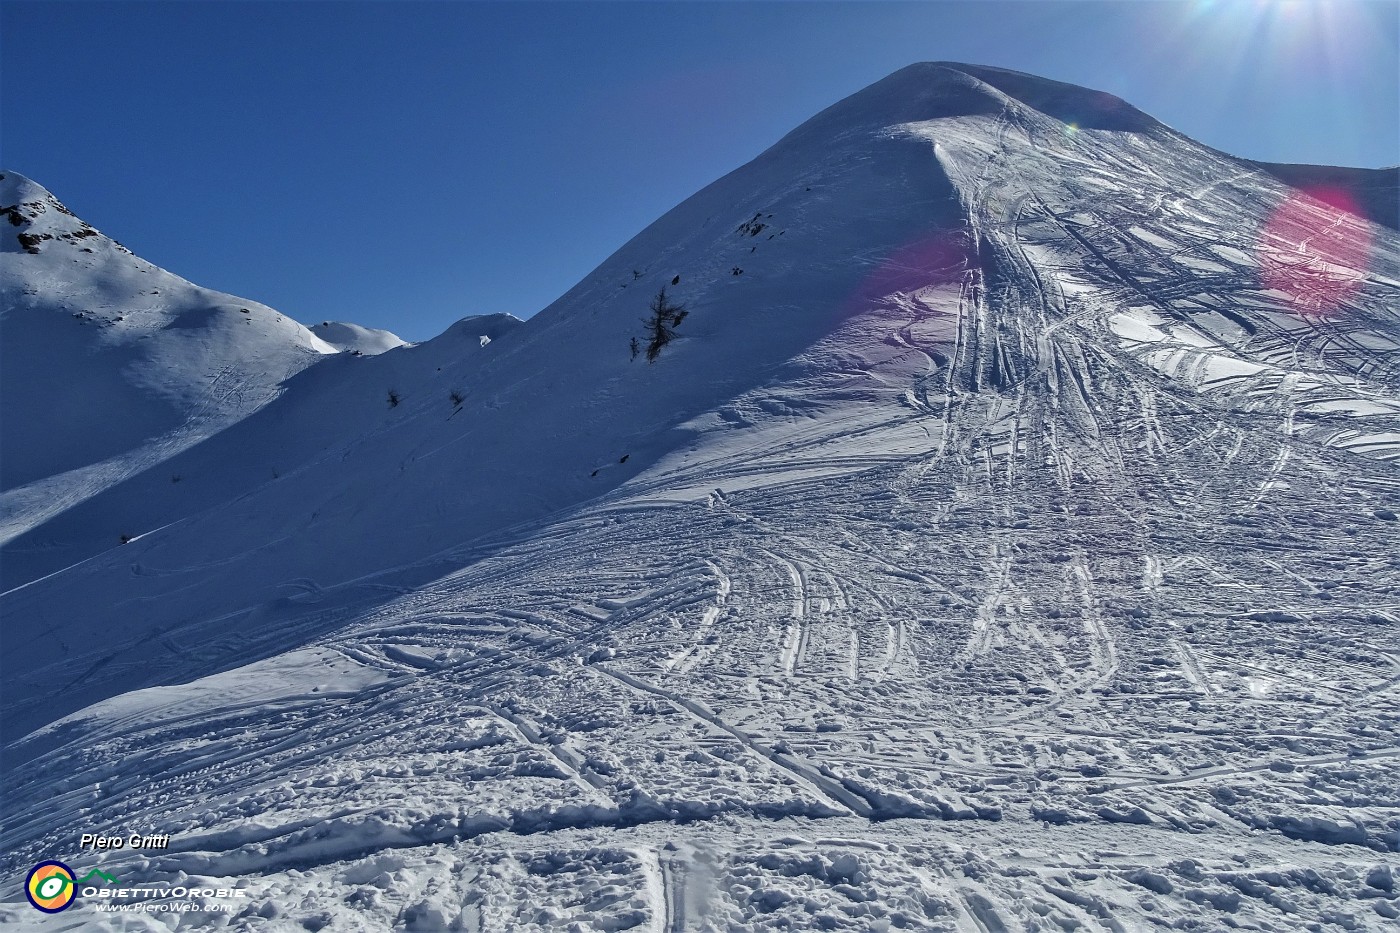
[(1315, 250), (933, 260)]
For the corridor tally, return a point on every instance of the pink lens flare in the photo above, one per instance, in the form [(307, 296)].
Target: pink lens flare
[(937, 259), (1315, 249)]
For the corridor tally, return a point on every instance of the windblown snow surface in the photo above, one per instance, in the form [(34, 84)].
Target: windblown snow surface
[(1007, 541)]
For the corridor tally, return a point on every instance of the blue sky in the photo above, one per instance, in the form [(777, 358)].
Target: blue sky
[(402, 165)]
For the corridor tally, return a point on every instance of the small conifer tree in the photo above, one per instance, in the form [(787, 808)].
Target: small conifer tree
[(666, 316)]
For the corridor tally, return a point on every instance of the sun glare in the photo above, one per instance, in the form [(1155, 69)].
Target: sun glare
[(1311, 52)]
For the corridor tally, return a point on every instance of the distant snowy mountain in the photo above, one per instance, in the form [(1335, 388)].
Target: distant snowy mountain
[(109, 364), (354, 338), (1005, 540)]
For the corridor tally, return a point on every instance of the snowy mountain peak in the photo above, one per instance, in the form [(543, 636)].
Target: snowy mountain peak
[(1069, 103), (110, 363), (934, 90), (21, 189), (36, 218)]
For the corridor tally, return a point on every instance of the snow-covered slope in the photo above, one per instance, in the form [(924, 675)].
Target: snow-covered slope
[(354, 338), (1006, 541), (323, 414), (109, 364)]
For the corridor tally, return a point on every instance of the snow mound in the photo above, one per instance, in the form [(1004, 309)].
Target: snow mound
[(352, 338), (482, 328)]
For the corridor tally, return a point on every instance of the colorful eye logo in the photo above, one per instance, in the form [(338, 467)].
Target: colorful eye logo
[(50, 887)]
